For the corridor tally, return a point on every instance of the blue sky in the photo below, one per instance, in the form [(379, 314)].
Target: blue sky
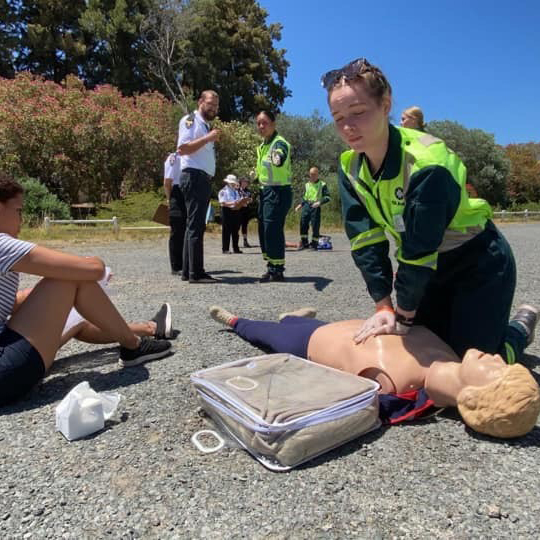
[(476, 62)]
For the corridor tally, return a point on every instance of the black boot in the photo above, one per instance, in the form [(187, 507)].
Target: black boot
[(527, 317)]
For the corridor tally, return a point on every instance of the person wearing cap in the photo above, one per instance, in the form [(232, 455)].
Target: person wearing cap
[(274, 174), (456, 273), (195, 146), (177, 212), (315, 195), (231, 201)]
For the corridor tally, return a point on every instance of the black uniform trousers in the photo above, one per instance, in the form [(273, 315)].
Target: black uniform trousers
[(274, 203), (467, 303), (230, 226), (195, 187), (310, 216), (177, 221)]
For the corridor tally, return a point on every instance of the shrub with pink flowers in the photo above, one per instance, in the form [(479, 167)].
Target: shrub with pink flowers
[(84, 144)]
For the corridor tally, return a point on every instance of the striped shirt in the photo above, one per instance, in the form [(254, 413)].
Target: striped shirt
[(11, 251)]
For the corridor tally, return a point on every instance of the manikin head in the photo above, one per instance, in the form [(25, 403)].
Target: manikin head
[(507, 406), (413, 117), (360, 99), (208, 104), (11, 204), (313, 174)]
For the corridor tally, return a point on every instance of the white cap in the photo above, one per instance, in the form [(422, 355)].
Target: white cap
[(231, 179)]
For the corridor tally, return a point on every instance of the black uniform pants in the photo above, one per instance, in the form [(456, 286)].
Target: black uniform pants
[(177, 221), (195, 187), (274, 203), (467, 303), (310, 216), (230, 226)]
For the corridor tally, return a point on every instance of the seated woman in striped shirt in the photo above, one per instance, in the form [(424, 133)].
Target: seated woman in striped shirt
[(32, 322)]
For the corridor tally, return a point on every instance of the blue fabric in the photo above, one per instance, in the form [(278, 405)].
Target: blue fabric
[(291, 335)]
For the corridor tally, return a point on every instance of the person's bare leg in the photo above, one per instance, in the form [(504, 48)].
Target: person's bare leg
[(42, 325), (89, 333)]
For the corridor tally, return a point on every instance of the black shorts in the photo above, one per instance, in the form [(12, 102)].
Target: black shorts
[(21, 366)]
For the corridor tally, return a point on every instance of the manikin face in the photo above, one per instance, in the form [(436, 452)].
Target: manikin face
[(313, 174), (209, 106), (479, 369), (265, 126), (11, 216), (359, 119), (408, 121)]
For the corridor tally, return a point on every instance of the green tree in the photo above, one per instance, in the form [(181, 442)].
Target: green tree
[(314, 142), (40, 202), (9, 37), (116, 54), (524, 177), (230, 49), (487, 165), (50, 41)]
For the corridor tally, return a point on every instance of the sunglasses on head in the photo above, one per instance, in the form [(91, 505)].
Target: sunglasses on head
[(349, 71)]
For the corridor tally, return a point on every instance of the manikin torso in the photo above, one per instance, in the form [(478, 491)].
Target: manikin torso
[(398, 363)]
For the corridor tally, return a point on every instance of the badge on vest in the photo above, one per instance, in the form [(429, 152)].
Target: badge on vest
[(399, 224), (276, 157), (172, 159)]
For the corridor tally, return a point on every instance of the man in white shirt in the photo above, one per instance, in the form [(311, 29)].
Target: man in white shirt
[(198, 165), (177, 211)]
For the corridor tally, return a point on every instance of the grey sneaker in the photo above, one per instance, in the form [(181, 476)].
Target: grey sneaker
[(148, 349), (527, 316), (163, 322)]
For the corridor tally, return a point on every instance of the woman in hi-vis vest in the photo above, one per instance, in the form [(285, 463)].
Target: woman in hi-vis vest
[(275, 176), (455, 271)]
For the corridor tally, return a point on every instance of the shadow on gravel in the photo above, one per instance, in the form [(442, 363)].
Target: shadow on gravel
[(532, 439), (69, 371), (319, 283)]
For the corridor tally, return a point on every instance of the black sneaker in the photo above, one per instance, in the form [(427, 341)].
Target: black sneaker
[(183, 277), (238, 251), (246, 243), (148, 349), (203, 278), (163, 322), (527, 317)]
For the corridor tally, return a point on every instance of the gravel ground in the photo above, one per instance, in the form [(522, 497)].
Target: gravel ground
[(142, 478)]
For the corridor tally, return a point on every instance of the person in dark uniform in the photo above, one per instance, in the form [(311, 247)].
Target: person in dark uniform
[(177, 212), (455, 271), (275, 175), (231, 203), (246, 212), (315, 195), (198, 165)]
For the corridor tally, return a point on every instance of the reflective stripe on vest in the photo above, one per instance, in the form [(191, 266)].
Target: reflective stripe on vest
[(267, 173), (385, 199), (368, 238)]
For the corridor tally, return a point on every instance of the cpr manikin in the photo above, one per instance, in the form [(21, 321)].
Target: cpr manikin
[(492, 397)]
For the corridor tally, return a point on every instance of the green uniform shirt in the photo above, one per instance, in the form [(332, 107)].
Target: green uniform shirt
[(420, 199)]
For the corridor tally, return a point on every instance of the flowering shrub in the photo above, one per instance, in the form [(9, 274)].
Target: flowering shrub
[(80, 143)]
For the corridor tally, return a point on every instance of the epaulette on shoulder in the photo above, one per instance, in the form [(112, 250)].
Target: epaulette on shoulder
[(190, 119)]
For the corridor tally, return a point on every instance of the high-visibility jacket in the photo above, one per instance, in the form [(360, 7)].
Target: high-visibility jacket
[(316, 192), (420, 200), (274, 162)]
